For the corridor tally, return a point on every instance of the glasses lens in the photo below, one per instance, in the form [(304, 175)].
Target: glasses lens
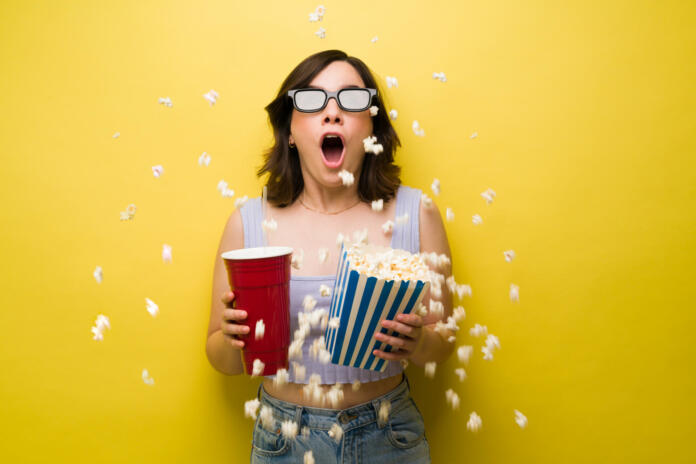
[(354, 99), (309, 100)]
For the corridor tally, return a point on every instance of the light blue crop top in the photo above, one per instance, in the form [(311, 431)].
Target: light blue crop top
[(404, 236)]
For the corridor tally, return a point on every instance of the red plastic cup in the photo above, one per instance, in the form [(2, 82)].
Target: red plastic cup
[(260, 280)]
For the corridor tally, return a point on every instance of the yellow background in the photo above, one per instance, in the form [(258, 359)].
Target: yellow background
[(585, 119)]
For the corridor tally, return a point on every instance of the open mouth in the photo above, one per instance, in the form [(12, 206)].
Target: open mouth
[(332, 150)]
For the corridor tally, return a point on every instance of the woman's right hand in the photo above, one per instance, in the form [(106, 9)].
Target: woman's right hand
[(230, 317)]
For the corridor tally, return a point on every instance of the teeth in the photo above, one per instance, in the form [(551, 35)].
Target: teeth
[(331, 136)]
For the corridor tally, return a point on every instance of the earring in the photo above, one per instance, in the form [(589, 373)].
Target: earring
[(292, 145)]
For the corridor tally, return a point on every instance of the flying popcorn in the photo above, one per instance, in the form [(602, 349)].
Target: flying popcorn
[(146, 378), (422, 311), (116, 135), (478, 330), (392, 82), (474, 135), (239, 202), (309, 302), (289, 429), (440, 76), (166, 253), (435, 186), (487, 353), (474, 423), (346, 177), (151, 307), (321, 33), (336, 432), (98, 274), (378, 205), (251, 408), (384, 410), (165, 101), (324, 290), (360, 237), (430, 369), (492, 341), (269, 224), (404, 363), (129, 213), (295, 349), (461, 373), (463, 289), (356, 385), (452, 398), (459, 313), (300, 371), (393, 114), (464, 352), (312, 389), (281, 378), (489, 196), (204, 159), (297, 259), (266, 418), (257, 368), (520, 419), (450, 215), (437, 308), (260, 329), (323, 255), (222, 188), (371, 146), (417, 129), (514, 293), (509, 255), (317, 14), (374, 110), (335, 322), (100, 325), (374, 39), (308, 457), (387, 227), (335, 395), (340, 239), (426, 200), (476, 219), (403, 219), (211, 96)]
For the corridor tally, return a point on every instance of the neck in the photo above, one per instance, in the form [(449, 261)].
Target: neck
[(329, 201)]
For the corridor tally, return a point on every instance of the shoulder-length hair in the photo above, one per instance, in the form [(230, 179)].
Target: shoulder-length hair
[(379, 177)]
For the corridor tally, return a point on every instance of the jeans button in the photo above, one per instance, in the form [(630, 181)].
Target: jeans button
[(344, 419)]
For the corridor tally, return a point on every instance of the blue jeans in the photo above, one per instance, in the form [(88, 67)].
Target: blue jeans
[(401, 439)]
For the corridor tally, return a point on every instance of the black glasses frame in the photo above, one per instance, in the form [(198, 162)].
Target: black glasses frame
[(329, 95)]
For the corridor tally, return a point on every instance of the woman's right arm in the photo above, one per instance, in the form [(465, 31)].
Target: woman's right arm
[(222, 348)]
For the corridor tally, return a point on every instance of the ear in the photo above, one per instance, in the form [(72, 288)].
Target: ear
[(291, 140)]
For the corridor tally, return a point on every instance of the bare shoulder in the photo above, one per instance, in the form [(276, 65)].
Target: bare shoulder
[(433, 236)]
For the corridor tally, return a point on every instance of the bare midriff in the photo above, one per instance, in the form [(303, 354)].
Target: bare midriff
[(293, 392)]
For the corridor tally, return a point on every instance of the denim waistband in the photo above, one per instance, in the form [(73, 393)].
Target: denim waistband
[(354, 416)]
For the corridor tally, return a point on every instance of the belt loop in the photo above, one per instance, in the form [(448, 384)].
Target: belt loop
[(408, 384), (298, 417), (376, 405), (258, 393)]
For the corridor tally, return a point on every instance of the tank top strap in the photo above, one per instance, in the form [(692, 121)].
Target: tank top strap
[(406, 236), (252, 218)]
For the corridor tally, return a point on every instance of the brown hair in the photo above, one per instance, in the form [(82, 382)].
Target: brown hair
[(379, 177)]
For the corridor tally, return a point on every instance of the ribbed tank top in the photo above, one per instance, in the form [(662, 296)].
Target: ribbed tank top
[(404, 236)]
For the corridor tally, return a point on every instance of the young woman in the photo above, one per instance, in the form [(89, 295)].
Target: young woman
[(320, 118)]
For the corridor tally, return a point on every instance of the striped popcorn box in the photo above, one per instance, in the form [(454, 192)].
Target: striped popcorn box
[(366, 293)]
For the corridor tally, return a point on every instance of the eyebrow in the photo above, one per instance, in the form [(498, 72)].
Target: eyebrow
[(352, 86)]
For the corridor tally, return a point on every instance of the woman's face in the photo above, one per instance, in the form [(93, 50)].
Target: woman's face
[(323, 159)]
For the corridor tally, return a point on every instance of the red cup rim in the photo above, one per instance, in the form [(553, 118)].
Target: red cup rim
[(242, 254)]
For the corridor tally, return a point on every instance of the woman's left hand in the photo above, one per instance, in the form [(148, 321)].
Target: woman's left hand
[(408, 325)]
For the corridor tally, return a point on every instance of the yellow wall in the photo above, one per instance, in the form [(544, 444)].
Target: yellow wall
[(585, 115)]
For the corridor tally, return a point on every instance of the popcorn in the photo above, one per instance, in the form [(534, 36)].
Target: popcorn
[(98, 274), (387, 263), (487, 353), (211, 96), (257, 368), (403, 219), (166, 253), (266, 418), (509, 255), (489, 195), (323, 255), (463, 289), (281, 378), (101, 323), (450, 215), (452, 399), (239, 202), (346, 177), (157, 170), (300, 371), (146, 378), (474, 423), (435, 186), (324, 290), (478, 330), (430, 369), (461, 373), (321, 33), (417, 129), (459, 313), (269, 224), (356, 385), (335, 395), (128, 213), (360, 237), (476, 219), (436, 291), (151, 307), (426, 200), (260, 329), (437, 308), (336, 432), (312, 389), (440, 76), (308, 457), (374, 110), (165, 101), (392, 82), (378, 205), (374, 39), (295, 349), (387, 227), (475, 134), (340, 239), (289, 429), (492, 342), (514, 293), (371, 146), (520, 419), (204, 159), (464, 353), (251, 407), (305, 433), (384, 410), (222, 188), (393, 114), (297, 259), (116, 135), (317, 14), (404, 363), (309, 302), (335, 322), (422, 311)]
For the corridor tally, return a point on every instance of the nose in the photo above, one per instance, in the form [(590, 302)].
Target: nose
[(332, 112)]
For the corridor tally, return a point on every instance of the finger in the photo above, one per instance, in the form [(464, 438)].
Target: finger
[(393, 341), (227, 297), (411, 319), (391, 356), (399, 327), (236, 329), (234, 314), (234, 341)]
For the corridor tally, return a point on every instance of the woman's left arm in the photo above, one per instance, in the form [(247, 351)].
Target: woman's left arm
[(419, 342)]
